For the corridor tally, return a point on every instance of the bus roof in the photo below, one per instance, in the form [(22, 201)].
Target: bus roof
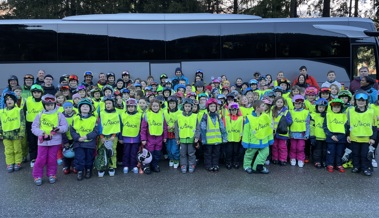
[(161, 17), (179, 18)]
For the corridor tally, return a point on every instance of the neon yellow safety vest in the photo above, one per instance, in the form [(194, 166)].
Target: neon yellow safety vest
[(48, 122), (361, 123), (289, 103), (277, 119), (201, 114), (260, 126), (110, 122), (84, 126), (131, 124), (171, 118), (234, 128), (376, 110), (96, 104), (213, 134), (318, 126), (32, 108), (10, 119), (309, 106), (246, 111), (299, 119), (155, 122), (69, 122), (336, 122), (187, 126)]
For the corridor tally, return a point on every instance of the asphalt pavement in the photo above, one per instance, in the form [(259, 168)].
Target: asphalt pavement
[(286, 192)]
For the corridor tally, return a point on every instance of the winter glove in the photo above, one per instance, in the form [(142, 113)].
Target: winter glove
[(54, 131), (371, 151), (345, 156)]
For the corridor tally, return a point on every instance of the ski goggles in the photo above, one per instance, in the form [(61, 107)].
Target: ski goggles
[(361, 96)]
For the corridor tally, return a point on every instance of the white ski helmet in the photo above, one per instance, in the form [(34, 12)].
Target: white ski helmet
[(144, 156)]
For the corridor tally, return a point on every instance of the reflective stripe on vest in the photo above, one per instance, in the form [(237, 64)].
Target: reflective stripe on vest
[(48, 122), (84, 126), (10, 119), (110, 123), (361, 123), (131, 124), (299, 119), (187, 125), (155, 122), (213, 134), (33, 108), (336, 122), (234, 128)]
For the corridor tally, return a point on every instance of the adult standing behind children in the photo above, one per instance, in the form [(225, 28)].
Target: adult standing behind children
[(48, 86), (12, 82), (310, 80), (179, 75), (40, 77), (330, 80), (355, 84)]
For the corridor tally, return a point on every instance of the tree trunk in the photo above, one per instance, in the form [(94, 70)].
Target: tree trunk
[(326, 9), (235, 6), (356, 8), (293, 8)]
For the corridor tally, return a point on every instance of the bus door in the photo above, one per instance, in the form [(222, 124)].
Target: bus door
[(364, 55), (156, 69)]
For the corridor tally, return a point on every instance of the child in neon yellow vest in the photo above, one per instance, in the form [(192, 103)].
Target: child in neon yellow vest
[(299, 131), (84, 132), (213, 134), (21, 104), (171, 116), (67, 138), (153, 134), (12, 131), (279, 149), (317, 133), (257, 136), (234, 126), (33, 106), (131, 138), (361, 131), (335, 131), (109, 128), (48, 126), (186, 134)]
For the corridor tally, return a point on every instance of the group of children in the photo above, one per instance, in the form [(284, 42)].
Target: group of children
[(248, 125)]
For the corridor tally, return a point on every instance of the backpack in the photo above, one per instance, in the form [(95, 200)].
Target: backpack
[(102, 159)]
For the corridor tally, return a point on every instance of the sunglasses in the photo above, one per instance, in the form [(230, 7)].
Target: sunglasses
[(28, 77)]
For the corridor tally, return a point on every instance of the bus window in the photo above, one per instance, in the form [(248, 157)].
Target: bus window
[(28, 43), (363, 56), (258, 45)]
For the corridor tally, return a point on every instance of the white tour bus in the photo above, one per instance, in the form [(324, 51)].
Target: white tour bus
[(152, 44)]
